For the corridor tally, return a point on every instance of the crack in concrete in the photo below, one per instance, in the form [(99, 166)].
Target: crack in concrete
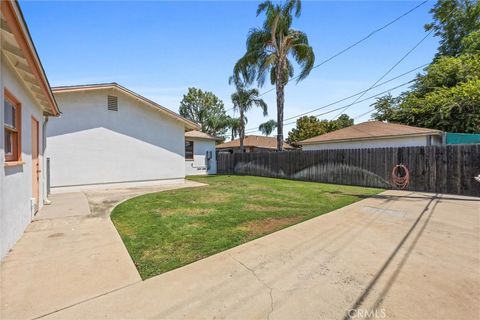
[(260, 281)]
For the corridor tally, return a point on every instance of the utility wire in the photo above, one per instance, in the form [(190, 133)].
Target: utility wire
[(353, 95), (386, 73), (364, 114), (355, 43), (389, 70), (333, 110)]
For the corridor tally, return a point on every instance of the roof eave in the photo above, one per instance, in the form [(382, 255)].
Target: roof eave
[(432, 133), (113, 85), (13, 14)]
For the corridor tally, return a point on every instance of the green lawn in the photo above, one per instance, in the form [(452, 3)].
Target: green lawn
[(166, 230)]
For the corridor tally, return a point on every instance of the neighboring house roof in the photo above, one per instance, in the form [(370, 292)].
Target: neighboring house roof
[(254, 141), (201, 135), (17, 46), (370, 130), (113, 85)]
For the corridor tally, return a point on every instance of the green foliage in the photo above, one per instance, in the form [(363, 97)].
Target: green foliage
[(471, 43), (234, 124), (206, 109), (341, 122), (243, 101), (453, 21), (166, 230), (454, 109), (309, 126), (448, 72), (271, 50), (446, 97), (267, 127)]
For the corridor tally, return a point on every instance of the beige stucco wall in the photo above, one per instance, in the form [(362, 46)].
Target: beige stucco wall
[(199, 164), (16, 182), (90, 145)]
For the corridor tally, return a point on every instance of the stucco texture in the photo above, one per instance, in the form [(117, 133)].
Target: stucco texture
[(91, 145), (16, 181), (199, 165)]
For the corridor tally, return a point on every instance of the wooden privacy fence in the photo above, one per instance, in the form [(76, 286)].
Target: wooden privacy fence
[(440, 169)]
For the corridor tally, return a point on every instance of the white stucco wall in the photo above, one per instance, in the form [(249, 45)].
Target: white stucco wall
[(375, 143), (89, 145), (198, 166), (16, 182)]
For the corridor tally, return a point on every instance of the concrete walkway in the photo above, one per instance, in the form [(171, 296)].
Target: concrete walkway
[(70, 253), (398, 255)]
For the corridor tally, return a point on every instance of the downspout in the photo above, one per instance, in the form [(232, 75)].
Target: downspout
[(45, 164)]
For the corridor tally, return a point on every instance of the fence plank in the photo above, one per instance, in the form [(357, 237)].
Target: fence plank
[(439, 169)]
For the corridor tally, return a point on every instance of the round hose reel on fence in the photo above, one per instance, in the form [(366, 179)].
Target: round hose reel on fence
[(400, 177)]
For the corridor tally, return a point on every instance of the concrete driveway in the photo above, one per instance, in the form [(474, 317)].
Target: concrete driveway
[(70, 253), (398, 255)]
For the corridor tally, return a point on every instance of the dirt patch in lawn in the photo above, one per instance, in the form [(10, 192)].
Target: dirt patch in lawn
[(184, 211), (261, 227), (214, 198), (197, 211), (258, 207)]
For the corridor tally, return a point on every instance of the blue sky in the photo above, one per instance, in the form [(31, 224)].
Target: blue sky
[(159, 49)]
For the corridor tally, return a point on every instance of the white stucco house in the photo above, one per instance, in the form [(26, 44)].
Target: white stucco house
[(109, 135), (27, 104), (374, 134), (200, 156)]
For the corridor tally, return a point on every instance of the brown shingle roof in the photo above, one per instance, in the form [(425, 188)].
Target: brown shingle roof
[(200, 135), (370, 130), (254, 141)]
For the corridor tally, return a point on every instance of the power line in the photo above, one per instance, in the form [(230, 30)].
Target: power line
[(359, 101), (355, 43), (393, 67), (386, 73), (353, 95), (364, 114)]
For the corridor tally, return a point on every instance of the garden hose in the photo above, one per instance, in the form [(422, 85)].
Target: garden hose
[(400, 176)]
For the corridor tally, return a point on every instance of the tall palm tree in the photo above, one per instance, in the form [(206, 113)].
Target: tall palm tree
[(267, 127), (269, 49), (234, 125), (243, 100)]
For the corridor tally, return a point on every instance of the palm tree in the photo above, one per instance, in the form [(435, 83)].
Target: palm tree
[(234, 125), (269, 49), (243, 100), (267, 127)]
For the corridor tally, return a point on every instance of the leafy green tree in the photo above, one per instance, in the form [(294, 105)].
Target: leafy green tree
[(310, 126), (471, 43), (269, 50), (453, 21), (206, 109), (267, 127), (448, 72), (234, 125), (446, 96), (306, 127), (341, 122), (455, 109), (243, 101)]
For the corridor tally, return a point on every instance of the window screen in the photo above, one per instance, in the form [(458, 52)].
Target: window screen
[(188, 150)]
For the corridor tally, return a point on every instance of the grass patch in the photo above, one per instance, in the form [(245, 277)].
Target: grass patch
[(166, 230)]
